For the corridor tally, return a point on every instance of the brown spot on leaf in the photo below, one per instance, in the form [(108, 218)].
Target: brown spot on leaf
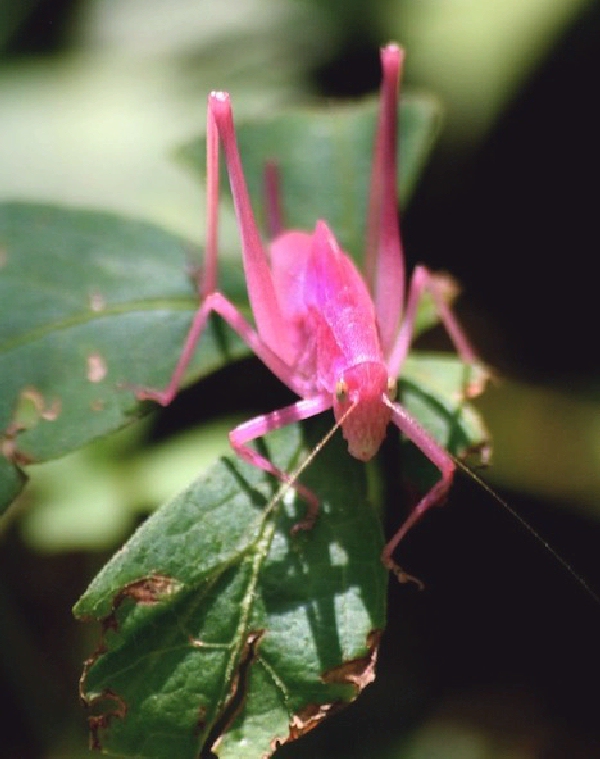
[(482, 451), (97, 405), (96, 367), (29, 409), (147, 591), (97, 302), (475, 379)]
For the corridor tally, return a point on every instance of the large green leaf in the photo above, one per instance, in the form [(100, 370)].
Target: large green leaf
[(89, 300), (324, 157), (218, 624)]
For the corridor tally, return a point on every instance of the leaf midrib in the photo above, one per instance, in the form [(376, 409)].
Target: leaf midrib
[(78, 319)]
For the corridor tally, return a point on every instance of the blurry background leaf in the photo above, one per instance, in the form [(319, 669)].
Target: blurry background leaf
[(324, 160), (90, 301), (91, 499)]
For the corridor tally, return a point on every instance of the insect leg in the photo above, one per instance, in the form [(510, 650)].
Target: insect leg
[(219, 303), (241, 435), (422, 280), (384, 261), (438, 456)]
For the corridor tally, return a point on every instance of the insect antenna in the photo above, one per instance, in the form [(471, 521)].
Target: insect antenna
[(531, 530), (293, 477)]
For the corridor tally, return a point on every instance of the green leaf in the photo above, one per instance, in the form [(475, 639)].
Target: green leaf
[(324, 157), (285, 622), (89, 301), (220, 624), (12, 481)]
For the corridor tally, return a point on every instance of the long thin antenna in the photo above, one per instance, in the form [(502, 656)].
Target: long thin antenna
[(534, 533), (285, 486), (293, 477)]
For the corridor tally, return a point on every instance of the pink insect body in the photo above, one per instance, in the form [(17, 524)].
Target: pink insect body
[(335, 338)]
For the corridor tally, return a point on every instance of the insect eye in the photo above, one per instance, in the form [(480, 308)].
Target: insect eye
[(392, 389), (341, 391)]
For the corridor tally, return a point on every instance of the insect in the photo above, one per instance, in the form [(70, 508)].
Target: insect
[(334, 337)]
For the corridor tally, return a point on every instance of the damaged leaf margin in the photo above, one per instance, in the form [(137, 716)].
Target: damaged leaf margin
[(248, 645), (108, 705), (358, 673)]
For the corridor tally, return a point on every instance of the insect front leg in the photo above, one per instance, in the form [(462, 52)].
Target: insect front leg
[(442, 460), (218, 303), (244, 433)]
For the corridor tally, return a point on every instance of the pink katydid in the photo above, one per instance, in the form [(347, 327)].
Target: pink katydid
[(337, 340)]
